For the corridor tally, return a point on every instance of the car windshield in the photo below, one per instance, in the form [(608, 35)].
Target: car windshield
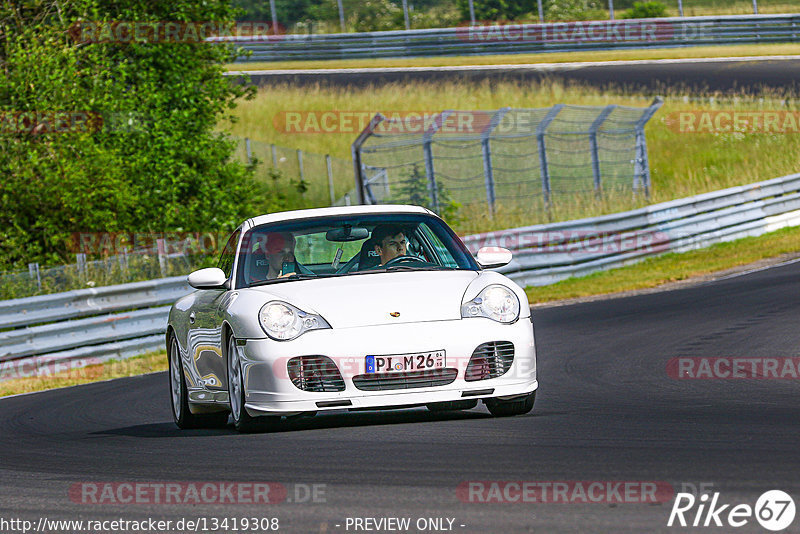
[(348, 245)]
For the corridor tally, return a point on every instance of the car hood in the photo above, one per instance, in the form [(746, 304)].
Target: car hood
[(369, 299)]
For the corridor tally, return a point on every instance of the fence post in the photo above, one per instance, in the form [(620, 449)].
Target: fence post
[(541, 129), (162, 256), (80, 259), (274, 157), (641, 177), (680, 7), (33, 270), (347, 199), (248, 151), (355, 152), (611, 9), (593, 146), (330, 178), (541, 11), (123, 261), (488, 170), (427, 150), (300, 165), (755, 7), (341, 15)]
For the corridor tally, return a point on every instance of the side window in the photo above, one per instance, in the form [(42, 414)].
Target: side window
[(229, 254)]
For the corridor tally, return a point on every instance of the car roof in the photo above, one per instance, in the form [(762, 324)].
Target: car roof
[(341, 210)]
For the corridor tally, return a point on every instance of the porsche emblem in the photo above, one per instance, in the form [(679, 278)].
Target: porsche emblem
[(395, 314)]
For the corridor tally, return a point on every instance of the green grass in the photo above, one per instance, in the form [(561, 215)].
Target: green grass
[(146, 363), (672, 267), (520, 59), (682, 164)]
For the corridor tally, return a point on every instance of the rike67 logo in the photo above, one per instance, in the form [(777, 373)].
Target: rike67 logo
[(774, 510)]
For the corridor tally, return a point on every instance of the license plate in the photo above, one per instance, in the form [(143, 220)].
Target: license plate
[(401, 363)]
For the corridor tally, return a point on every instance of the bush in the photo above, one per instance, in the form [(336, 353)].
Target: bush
[(646, 10), (565, 10), (496, 9)]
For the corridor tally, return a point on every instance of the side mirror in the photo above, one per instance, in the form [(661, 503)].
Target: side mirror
[(211, 278), (490, 257)]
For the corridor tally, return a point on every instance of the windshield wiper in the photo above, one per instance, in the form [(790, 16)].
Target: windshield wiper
[(293, 276)]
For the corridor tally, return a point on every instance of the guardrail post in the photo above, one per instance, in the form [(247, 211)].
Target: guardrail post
[(330, 178), (541, 129), (33, 270), (641, 172), (488, 170), (594, 149), (248, 151)]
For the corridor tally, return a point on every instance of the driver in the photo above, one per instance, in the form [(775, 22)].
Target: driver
[(390, 242)]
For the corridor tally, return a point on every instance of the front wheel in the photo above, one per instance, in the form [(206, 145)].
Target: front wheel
[(521, 406), (242, 420), (179, 396)]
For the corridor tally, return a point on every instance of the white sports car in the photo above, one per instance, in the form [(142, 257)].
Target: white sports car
[(361, 307)]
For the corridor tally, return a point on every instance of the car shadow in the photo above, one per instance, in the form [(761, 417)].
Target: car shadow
[(332, 419)]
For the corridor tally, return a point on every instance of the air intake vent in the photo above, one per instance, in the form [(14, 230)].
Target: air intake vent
[(490, 360), (315, 373), (410, 380)]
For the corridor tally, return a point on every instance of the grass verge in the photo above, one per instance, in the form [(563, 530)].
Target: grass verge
[(672, 267), (682, 163), (647, 274), (138, 365), (520, 59)]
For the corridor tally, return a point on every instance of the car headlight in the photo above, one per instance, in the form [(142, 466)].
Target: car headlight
[(495, 302), (283, 322)]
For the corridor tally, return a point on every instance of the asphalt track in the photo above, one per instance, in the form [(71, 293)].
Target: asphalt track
[(606, 411), (778, 73)]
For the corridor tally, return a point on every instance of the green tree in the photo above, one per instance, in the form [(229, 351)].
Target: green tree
[(414, 188), (149, 160)]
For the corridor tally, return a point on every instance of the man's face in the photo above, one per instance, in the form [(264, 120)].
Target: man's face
[(391, 247), (282, 250)]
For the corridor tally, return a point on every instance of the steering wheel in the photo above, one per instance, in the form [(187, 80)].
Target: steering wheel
[(401, 259)]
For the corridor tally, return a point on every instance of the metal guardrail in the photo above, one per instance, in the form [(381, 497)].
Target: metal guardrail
[(76, 328), (528, 38), (545, 254)]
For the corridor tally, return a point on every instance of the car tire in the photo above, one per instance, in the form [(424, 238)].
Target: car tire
[(179, 397), (243, 421), (505, 408), (452, 406)]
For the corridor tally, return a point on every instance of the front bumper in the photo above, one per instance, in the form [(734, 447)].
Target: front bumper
[(269, 391)]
